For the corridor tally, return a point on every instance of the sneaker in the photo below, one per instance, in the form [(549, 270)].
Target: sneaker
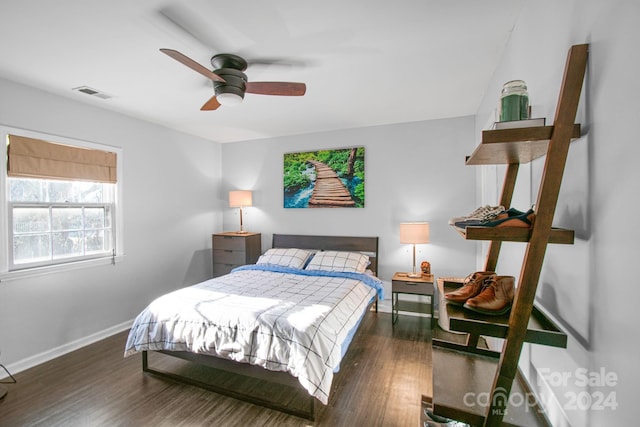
[(524, 220), (509, 213), (433, 420), (483, 213)]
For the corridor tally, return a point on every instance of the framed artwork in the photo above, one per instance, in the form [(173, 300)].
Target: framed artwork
[(324, 178)]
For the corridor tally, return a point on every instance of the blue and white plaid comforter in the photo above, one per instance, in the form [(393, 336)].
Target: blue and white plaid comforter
[(279, 318)]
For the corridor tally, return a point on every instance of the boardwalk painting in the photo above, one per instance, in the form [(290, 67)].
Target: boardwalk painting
[(324, 179)]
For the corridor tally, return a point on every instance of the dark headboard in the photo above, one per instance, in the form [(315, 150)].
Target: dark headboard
[(368, 245)]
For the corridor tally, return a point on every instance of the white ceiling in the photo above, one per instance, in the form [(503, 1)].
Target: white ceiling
[(365, 62)]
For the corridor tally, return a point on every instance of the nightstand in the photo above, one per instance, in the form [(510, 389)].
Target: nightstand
[(233, 249), (402, 284)]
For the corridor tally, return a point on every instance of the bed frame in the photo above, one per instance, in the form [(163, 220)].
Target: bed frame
[(367, 245)]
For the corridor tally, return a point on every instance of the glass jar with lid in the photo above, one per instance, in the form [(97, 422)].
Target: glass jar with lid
[(514, 101)]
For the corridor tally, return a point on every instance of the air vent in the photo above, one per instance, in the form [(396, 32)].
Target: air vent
[(93, 92)]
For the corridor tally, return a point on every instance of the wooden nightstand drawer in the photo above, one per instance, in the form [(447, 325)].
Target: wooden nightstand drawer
[(410, 287), (222, 269), (227, 256), (233, 243)]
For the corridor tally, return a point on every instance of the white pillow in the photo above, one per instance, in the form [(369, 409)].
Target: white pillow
[(352, 262), (285, 257)]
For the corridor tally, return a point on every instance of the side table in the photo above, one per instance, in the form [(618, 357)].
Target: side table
[(233, 249), (402, 284)]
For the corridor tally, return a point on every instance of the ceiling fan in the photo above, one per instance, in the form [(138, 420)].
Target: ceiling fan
[(229, 81)]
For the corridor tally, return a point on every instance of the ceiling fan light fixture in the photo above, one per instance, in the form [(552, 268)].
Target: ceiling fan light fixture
[(229, 99), (230, 82)]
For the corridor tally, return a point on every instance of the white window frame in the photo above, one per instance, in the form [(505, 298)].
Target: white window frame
[(51, 206), (6, 272)]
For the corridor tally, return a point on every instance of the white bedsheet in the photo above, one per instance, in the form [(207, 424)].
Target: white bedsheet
[(280, 321)]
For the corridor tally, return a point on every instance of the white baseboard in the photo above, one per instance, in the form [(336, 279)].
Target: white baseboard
[(48, 355), (552, 407), (384, 306)]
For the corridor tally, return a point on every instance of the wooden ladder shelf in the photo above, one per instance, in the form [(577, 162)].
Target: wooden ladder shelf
[(512, 147)]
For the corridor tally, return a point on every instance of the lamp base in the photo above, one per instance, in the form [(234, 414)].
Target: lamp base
[(242, 232), (414, 275)]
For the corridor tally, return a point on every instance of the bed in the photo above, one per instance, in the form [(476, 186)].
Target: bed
[(288, 319)]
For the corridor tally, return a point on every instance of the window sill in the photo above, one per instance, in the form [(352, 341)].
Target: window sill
[(76, 265)]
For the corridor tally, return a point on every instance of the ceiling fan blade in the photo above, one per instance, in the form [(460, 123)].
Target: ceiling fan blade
[(183, 59), (211, 104), (276, 88)]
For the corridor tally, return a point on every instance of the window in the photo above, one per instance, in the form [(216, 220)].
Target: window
[(61, 201), (52, 221)]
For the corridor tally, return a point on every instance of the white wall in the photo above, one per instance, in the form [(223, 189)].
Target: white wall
[(175, 197), (171, 207), (588, 285), (413, 171)]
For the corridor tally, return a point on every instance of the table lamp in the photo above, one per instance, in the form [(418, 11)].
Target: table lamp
[(414, 233), (240, 199)]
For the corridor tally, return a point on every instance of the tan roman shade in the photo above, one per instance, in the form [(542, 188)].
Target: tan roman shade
[(35, 158)]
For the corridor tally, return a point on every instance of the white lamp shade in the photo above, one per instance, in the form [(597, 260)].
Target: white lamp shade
[(240, 198), (414, 232)]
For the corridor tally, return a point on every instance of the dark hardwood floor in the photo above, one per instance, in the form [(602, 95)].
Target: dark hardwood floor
[(381, 382)]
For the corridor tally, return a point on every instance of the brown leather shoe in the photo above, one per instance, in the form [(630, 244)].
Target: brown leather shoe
[(496, 297), (472, 286)]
